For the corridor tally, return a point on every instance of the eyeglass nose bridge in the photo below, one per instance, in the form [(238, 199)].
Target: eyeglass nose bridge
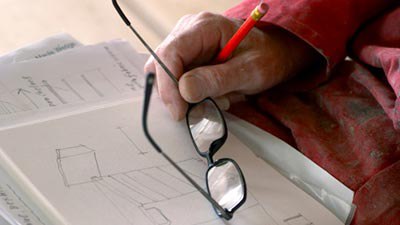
[(214, 147)]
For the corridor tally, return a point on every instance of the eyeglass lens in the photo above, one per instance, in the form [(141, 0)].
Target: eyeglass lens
[(225, 184), (224, 179), (206, 124)]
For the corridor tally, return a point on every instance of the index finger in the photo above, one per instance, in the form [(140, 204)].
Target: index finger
[(188, 43)]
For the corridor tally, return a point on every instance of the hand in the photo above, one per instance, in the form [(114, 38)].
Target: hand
[(262, 60)]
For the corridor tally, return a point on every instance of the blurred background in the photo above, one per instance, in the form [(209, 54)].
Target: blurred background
[(93, 21)]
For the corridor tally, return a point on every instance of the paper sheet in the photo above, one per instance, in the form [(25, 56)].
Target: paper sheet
[(97, 168), (43, 48), (299, 169), (69, 81), (15, 207)]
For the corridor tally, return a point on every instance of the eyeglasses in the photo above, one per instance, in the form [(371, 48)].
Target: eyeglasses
[(225, 182)]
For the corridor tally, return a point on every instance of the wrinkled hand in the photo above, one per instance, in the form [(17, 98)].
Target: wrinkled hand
[(262, 60)]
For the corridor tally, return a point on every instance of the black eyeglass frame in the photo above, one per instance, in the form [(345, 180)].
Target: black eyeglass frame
[(147, 97), (216, 145)]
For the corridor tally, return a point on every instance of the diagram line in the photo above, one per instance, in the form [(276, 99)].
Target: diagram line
[(182, 180), (26, 205), (262, 207), (117, 192), (53, 91), (127, 186), (7, 111), (108, 80), (154, 220), (138, 189), (145, 187), (97, 163), (4, 109), (24, 93), (131, 141), (84, 78), (166, 164), (193, 175), (76, 146), (112, 202), (162, 182), (78, 154), (61, 170), (72, 89), (292, 218)]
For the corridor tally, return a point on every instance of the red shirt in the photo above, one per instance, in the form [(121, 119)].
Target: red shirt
[(345, 116)]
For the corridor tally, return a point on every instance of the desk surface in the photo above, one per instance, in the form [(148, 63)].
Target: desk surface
[(92, 21)]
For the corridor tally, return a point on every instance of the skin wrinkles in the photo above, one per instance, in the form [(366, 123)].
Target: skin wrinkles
[(263, 60)]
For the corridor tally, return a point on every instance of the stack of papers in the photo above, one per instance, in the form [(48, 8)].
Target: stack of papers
[(32, 89), (72, 150)]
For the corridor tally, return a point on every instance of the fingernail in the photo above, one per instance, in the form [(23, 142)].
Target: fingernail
[(191, 88)]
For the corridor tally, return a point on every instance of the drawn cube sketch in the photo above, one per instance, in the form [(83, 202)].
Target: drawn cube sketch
[(77, 165), (298, 220)]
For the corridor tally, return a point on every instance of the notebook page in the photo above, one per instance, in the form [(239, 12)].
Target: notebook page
[(68, 81), (97, 168)]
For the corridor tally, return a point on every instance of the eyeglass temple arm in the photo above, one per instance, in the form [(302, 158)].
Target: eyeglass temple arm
[(128, 23), (147, 96)]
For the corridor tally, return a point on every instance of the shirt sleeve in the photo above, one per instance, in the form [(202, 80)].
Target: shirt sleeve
[(378, 45), (327, 25)]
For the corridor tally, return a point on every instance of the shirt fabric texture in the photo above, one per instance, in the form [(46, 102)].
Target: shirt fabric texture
[(344, 116)]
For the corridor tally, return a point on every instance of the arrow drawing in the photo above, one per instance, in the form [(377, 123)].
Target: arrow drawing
[(25, 93)]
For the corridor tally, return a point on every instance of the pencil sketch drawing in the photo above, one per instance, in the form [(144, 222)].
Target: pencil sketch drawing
[(78, 165), (298, 219), (131, 141), (147, 189)]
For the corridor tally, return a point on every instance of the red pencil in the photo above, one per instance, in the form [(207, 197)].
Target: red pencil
[(250, 22)]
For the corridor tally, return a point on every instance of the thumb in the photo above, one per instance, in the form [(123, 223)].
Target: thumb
[(215, 80)]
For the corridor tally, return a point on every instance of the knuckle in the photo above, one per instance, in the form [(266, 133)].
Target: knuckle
[(205, 15), (166, 52), (162, 51), (204, 19), (216, 81), (170, 45), (185, 18)]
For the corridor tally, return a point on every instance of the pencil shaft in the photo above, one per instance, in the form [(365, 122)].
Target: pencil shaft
[(242, 32)]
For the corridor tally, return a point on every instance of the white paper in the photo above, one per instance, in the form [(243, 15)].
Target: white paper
[(15, 208), (302, 171), (97, 168), (69, 80), (49, 46)]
